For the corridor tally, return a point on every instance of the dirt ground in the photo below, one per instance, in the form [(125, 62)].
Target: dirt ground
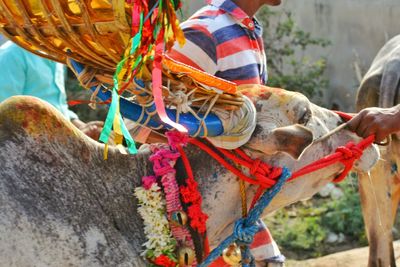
[(350, 258)]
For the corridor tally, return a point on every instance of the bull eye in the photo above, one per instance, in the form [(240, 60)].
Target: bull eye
[(305, 116)]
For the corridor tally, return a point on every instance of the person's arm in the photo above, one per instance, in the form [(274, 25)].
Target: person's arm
[(91, 129), (379, 121)]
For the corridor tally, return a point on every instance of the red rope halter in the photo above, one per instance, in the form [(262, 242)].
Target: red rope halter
[(265, 176)]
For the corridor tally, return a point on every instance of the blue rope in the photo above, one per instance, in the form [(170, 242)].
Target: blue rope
[(245, 228)]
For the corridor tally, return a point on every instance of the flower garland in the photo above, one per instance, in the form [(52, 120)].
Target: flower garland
[(157, 207), (164, 159), (160, 246), (191, 196)]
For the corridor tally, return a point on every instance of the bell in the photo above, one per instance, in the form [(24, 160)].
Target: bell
[(186, 256), (179, 218), (232, 255)]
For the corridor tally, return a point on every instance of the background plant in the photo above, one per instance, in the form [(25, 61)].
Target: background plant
[(302, 229), (288, 65)]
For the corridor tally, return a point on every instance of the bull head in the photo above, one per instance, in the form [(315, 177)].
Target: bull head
[(281, 120), (288, 122)]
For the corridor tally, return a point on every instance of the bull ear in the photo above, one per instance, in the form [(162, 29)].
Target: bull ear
[(293, 140)]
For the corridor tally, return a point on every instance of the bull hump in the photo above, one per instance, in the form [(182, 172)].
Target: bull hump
[(60, 197)]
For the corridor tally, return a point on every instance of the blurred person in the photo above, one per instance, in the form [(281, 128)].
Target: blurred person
[(224, 39), (24, 73), (2, 39)]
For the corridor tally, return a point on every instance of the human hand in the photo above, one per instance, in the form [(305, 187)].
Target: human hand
[(379, 121), (91, 129)]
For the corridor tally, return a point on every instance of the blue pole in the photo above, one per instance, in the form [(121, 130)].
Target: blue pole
[(133, 112)]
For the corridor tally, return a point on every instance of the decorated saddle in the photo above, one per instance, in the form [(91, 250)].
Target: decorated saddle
[(119, 50)]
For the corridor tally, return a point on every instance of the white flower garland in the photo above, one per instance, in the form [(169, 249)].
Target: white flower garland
[(156, 226)]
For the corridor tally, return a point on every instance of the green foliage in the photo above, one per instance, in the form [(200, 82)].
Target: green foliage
[(345, 216), (285, 47), (298, 235), (302, 228)]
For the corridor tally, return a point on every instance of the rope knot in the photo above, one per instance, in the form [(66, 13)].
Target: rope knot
[(163, 161), (176, 138), (350, 151), (255, 167), (181, 100), (244, 234)]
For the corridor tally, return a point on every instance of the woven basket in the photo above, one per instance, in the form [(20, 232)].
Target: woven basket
[(93, 32), (96, 33)]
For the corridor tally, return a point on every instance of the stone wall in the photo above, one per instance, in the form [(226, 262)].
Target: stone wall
[(357, 30)]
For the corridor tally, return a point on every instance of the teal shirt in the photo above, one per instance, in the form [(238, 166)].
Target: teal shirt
[(24, 73)]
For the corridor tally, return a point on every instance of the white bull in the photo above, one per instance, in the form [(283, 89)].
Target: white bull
[(61, 204)]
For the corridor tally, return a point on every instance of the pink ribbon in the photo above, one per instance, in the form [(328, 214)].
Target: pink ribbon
[(157, 89)]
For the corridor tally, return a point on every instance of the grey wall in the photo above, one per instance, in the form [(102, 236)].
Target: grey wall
[(356, 28)]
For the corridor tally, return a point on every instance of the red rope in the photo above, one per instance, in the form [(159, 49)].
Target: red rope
[(345, 154), (345, 116), (265, 176)]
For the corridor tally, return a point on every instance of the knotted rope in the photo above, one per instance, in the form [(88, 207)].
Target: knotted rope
[(164, 159), (245, 228), (271, 178), (262, 174), (347, 155), (266, 177)]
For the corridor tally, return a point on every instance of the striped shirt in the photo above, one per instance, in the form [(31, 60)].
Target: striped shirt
[(263, 248), (223, 40)]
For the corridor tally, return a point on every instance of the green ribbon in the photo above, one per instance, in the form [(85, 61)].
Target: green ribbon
[(108, 125), (112, 112), (138, 37)]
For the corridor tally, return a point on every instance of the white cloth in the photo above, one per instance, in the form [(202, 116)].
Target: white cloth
[(238, 126)]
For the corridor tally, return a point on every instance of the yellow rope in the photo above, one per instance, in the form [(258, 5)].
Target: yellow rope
[(243, 196), (105, 152)]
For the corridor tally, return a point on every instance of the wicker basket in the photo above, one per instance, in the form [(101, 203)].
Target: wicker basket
[(96, 33), (93, 32)]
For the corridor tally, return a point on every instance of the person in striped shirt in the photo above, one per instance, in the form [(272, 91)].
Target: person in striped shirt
[(225, 39)]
